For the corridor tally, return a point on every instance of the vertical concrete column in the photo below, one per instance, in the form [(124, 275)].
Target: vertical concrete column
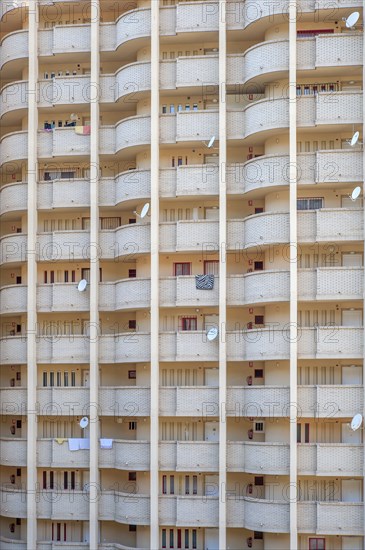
[(32, 278), (155, 242), (222, 275), (363, 198), (94, 493), (293, 271)]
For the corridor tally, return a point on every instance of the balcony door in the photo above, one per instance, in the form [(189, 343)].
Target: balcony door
[(351, 375), (351, 543), (211, 486), (352, 260), (349, 436), (352, 317), (212, 377), (351, 490), (211, 539), (211, 431)]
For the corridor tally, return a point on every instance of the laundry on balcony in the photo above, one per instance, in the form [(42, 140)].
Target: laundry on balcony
[(60, 440), (78, 444), (106, 443), (204, 282), (83, 130)]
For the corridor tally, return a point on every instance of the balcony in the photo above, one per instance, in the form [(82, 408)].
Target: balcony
[(14, 46), (189, 401), (324, 109), (266, 515), (188, 511), (329, 401), (186, 456), (329, 518), (329, 459), (266, 172), (248, 345)]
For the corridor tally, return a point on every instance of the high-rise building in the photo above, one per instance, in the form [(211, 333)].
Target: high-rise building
[(182, 251)]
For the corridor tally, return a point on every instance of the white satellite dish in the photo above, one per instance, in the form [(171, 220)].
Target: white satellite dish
[(212, 334), (211, 142), (354, 139), (81, 287), (352, 19), (356, 422), (84, 422), (145, 210), (356, 193)]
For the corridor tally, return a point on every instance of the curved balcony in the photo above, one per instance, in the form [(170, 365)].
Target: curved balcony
[(135, 131), (268, 171), (189, 401), (259, 14), (13, 248), (13, 147), (325, 109), (14, 46)]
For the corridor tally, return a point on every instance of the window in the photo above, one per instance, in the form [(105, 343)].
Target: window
[(132, 324), (259, 427), (310, 203), (304, 432), (182, 268), (132, 374), (132, 476), (132, 273), (259, 481), (317, 544), (109, 223), (211, 267), (258, 266), (132, 528), (188, 323), (259, 210), (163, 538), (258, 535), (132, 425), (313, 32), (259, 320), (132, 220), (259, 373)]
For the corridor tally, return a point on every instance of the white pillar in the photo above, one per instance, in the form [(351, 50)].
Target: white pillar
[(293, 271), (32, 278), (155, 153), (222, 276), (94, 494)]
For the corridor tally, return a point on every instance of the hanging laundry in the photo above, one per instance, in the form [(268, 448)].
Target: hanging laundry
[(74, 444), (84, 443), (83, 130), (204, 282), (106, 443), (60, 440)]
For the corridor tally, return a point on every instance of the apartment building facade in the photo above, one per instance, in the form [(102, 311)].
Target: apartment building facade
[(232, 122)]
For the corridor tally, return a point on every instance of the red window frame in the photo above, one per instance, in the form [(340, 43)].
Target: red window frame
[(183, 266), (316, 540)]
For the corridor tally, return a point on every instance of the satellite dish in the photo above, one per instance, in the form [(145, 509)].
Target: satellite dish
[(352, 19), (212, 334), (145, 210), (354, 139), (84, 422), (81, 287), (211, 142), (356, 422), (356, 193)]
